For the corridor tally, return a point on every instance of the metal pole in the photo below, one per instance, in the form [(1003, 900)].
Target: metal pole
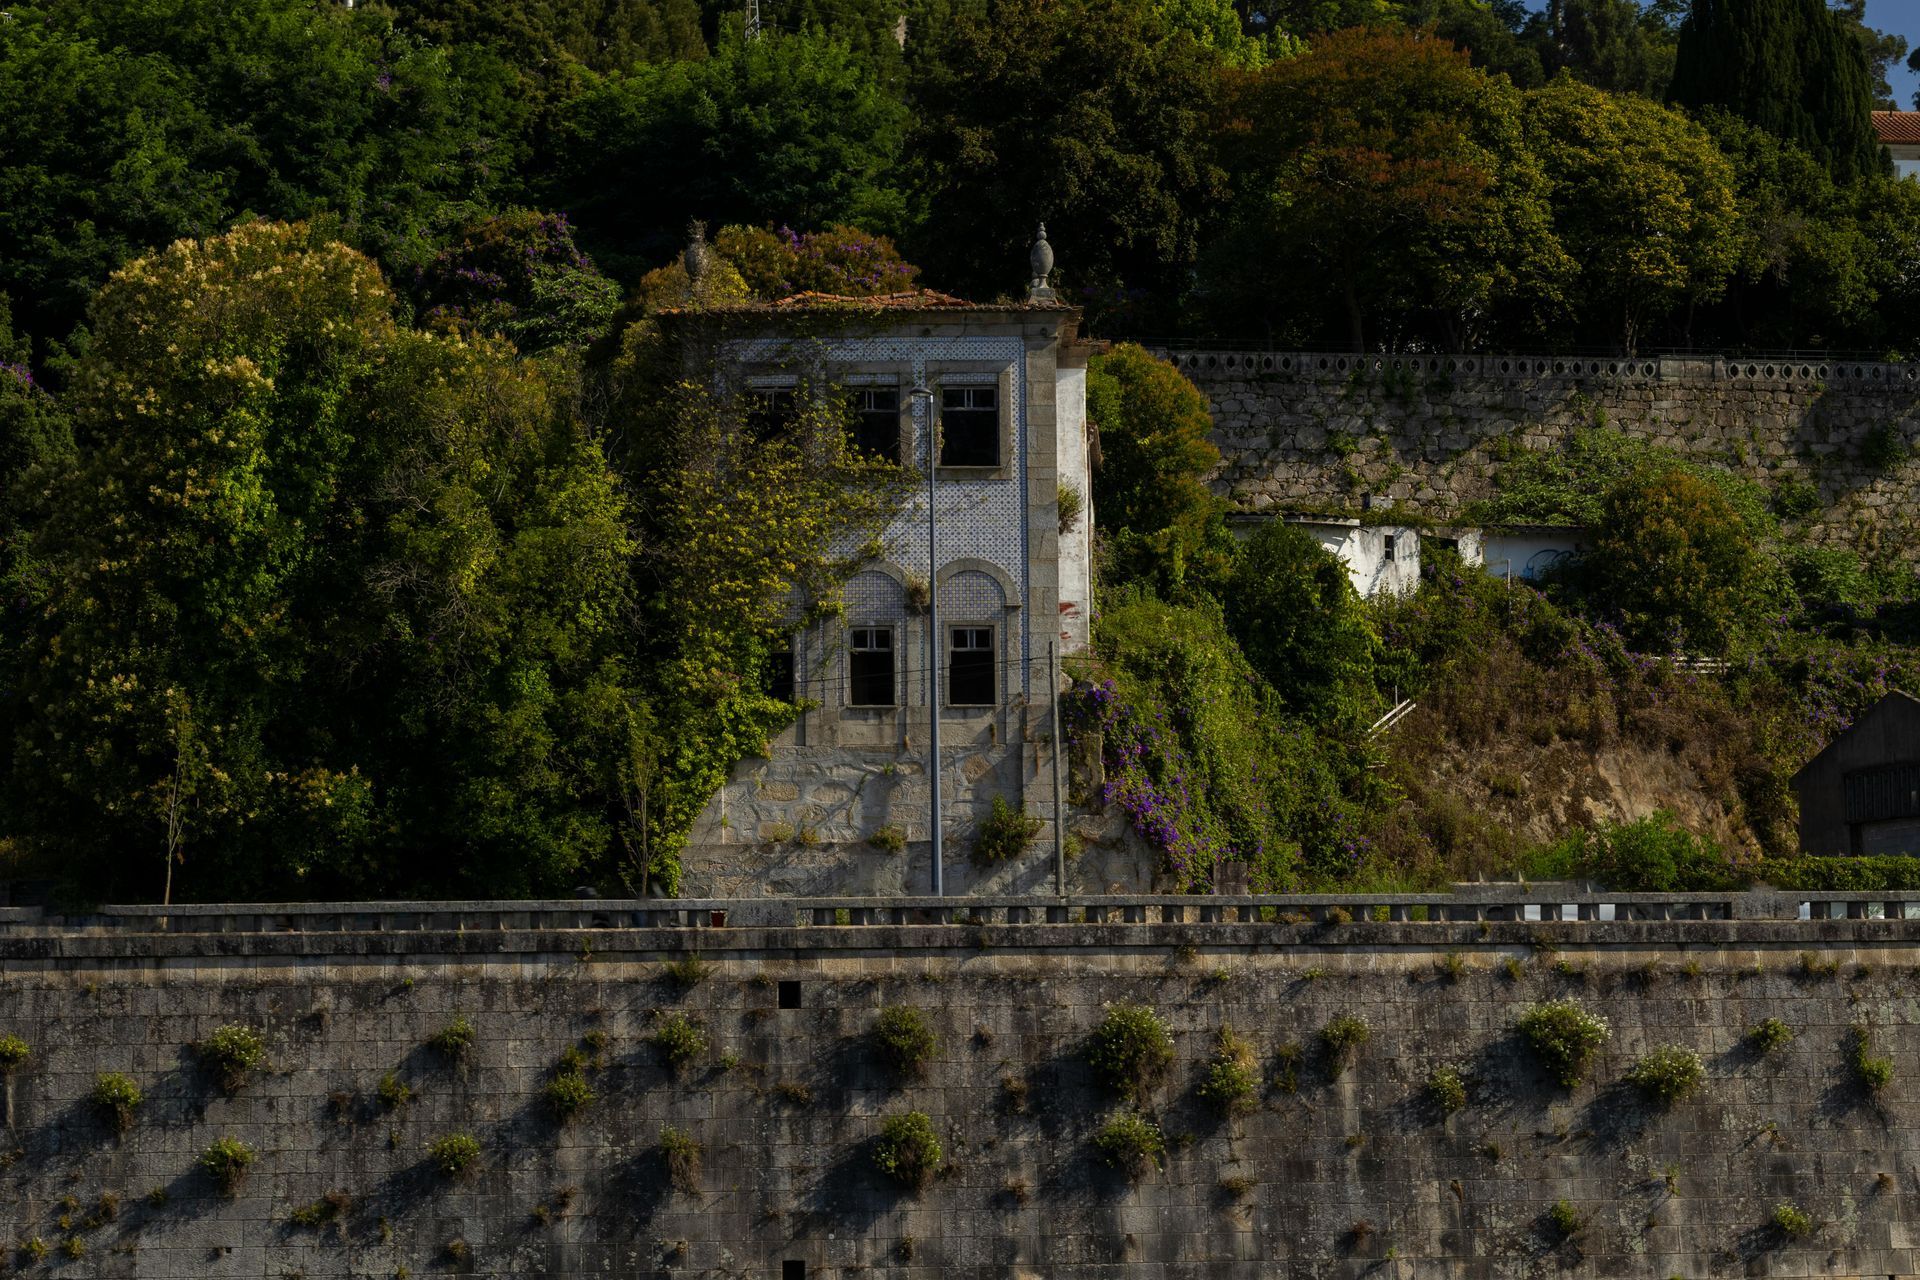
[(1059, 821), (924, 396)]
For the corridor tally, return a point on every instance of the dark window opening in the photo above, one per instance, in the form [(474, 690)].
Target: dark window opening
[(779, 675), (870, 663), (970, 426), (789, 995), (1391, 542), (876, 423), (771, 411), (793, 1269), (970, 667), (1886, 791)]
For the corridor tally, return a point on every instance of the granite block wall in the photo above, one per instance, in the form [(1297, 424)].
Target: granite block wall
[(1335, 1174)]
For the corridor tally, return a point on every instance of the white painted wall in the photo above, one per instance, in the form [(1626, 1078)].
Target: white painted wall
[(1381, 559), (1529, 553), (1076, 544)]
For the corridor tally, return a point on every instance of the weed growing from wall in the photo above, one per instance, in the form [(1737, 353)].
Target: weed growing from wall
[(455, 1040), (1342, 1038), (226, 1161), (1564, 1037), (454, 1154), (233, 1053), (116, 1097), (1667, 1075), (903, 1041), (1131, 1143), (680, 1153), (908, 1150), (1131, 1050)]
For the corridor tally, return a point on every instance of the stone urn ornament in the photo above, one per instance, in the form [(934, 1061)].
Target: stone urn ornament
[(697, 258), (1040, 261)]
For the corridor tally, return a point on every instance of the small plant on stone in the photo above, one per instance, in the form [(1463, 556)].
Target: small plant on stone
[(393, 1092), (1342, 1038), (455, 1040), (1446, 1090), (34, 1248), (233, 1053), (1770, 1035), (13, 1054), (1667, 1075), (1565, 1219), (1013, 1094), (116, 1097), (681, 1155), (1131, 1143), (454, 1154), (1451, 966), (227, 1162), (1564, 1037), (678, 1040), (1233, 1078), (1006, 832), (568, 1094), (908, 1150), (889, 839), (1286, 1068), (687, 972), (1875, 1073), (1791, 1221), (903, 1041), (328, 1208), (1131, 1050)]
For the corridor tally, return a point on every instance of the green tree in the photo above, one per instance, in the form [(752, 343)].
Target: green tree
[(1611, 44), (790, 129), (1161, 523), (1301, 624), (1676, 563), (1883, 49), (333, 606), (520, 275), (1642, 200), (1793, 67), (1385, 170), (1092, 116)]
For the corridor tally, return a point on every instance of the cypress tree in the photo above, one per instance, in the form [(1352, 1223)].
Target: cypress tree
[(1790, 67)]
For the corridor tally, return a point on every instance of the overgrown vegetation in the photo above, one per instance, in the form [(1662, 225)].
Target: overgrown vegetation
[(226, 1161), (1873, 1072), (1668, 1074), (455, 1040), (1131, 1142), (1232, 1082), (908, 1150), (1770, 1035), (14, 1053), (681, 1154), (116, 1097), (904, 1041), (1131, 1050), (1342, 1038), (454, 1154), (1006, 832), (1564, 1037), (1447, 1090), (678, 1039), (233, 1053)]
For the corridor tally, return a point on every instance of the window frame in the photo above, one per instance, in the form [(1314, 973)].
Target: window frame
[(859, 387), (855, 678), (993, 665), (945, 375)]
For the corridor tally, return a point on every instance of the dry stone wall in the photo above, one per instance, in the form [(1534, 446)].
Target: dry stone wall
[(1334, 1174), (1316, 431)]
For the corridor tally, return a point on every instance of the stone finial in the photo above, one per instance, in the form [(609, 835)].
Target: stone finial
[(1040, 260), (697, 258)]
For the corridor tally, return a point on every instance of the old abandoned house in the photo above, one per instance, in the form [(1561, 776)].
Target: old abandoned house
[(1861, 795), (1000, 391)]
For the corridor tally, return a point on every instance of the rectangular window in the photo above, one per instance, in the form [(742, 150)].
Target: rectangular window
[(770, 411), (870, 665), (970, 667), (1392, 542), (779, 675), (876, 423), (970, 426)]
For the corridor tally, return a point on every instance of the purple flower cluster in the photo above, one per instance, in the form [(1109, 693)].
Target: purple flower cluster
[(18, 372)]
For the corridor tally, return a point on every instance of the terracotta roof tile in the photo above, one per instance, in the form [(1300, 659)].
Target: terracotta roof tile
[(1897, 126)]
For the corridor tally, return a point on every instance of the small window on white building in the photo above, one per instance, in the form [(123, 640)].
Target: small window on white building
[(778, 679), (1391, 542), (876, 423), (970, 426), (970, 667), (870, 667), (771, 411)]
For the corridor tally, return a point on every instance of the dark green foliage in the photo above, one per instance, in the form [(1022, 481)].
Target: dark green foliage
[(1564, 1037), (1131, 1142), (1131, 1050), (678, 1039), (1770, 1035), (520, 275), (14, 1053), (1005, 833), (331, 1207), (1342, 1038), (393, 1092), (904, 1041), (1298, 619), (116, 1097), (1446, 1089), (1668, 1074), (1653, 854), (1874, 1072), (232, 1053), (454, 1154), (681, 1153), (568, 1094), (1790, 66), (908, 1150), (1564, 1219), (227, 1162), (455, 1040), (1232, 1082)]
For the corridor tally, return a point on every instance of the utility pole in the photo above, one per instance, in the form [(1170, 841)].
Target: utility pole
[(1059, 820), (923, 399), (753, 21)]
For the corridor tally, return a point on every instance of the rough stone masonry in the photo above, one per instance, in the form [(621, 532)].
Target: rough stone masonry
[(1304, 431), (1345, 1174)]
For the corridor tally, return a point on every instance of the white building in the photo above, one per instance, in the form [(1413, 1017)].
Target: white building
[(1899, 133)]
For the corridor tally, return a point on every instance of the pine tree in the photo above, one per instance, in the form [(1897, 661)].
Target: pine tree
[(1789, 66)]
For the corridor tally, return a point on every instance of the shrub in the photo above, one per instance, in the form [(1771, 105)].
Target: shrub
[(328, 1208), (1874, 1073), (13, 1053), (232, 1053), (1770, 1035), (1791, 1221), (678, 1040), (1565, 1219), (568, 1094), (1447, 1089), (687, 972), (1006, 832), (1563, 1036), (681, 1154), (1131, 1049), (393, 1092), (1131, 1143), (1667, 1074), (455, 1040), (908, 1150), (889, 839), (1233, 1078), (903, 1041), (454, 1154), (116, 1098), (1342, 1039), (227, 1161)]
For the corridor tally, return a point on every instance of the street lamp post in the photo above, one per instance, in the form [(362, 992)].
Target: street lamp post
[(923, 397)]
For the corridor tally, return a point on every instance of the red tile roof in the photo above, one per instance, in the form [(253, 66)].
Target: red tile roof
[(908, 300), (1897, 126)]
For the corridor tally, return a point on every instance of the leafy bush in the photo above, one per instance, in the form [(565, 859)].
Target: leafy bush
[(681, 1155), (454, 1154), (1131, 1050), (328, 1208), (1791, 1221), (1131, 1142), (455, 1040), (227, 1161), (568, 1094), (1006, 832), (890, 838), (1233, 1078), (908, 1149), (1770, 1035), (1293, 608), (903, 1040), (1668, 1074), (13, 1053), (1563, 1036), (1565, 1219), (687, 972), (1446, 1089), (1873, 1072), (116, 1097), (678, 1040), (232, 1053), (1342, 1038), (393, 1092)]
